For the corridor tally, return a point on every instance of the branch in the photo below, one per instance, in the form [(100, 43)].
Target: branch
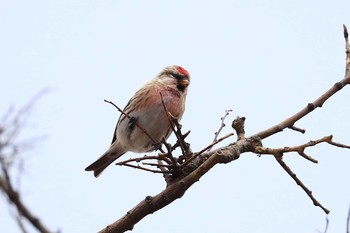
[(12, 124), (177, 189), (300, 148), (279, 159), (15, 199), (279, 152), (202, 163), (318, 103)]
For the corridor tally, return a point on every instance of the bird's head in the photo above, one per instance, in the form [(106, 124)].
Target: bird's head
[(175, 76)]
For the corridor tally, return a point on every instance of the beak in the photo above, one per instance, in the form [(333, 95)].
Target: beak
[(184, 82)]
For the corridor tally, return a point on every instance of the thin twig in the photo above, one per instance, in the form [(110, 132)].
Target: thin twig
[(217, 133), (145, 169), (327, 224), (337, 144), (279, 159), (139, 159), (14, 197), (21, 224), (326, 227), (11, 127), (157, 165)]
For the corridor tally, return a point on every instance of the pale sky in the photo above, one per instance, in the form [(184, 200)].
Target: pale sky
[(264, 59)]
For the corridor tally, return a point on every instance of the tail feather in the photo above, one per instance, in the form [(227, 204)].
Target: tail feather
[(104, 161)]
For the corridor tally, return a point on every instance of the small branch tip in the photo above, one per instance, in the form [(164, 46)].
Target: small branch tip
[(346, 34)]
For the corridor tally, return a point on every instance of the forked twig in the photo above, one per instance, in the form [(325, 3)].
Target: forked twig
[(279, 152)]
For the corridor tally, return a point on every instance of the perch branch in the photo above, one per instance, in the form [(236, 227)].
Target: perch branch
[(177, 189)]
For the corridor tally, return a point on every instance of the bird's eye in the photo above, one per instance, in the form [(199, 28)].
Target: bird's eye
[(177, 76)]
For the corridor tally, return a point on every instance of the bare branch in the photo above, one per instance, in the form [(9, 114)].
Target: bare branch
[(160, 157), (279, 152), (217, 133), (318, 103), (299, 149), (289, 122), (14, 197), (337, 144), (298, 181), (145, 169), (176, 190), (10, 129)]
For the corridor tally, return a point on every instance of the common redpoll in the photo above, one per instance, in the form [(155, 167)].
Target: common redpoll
[(146, 110)]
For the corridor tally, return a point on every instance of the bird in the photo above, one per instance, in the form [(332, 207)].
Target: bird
[(144, 121)]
